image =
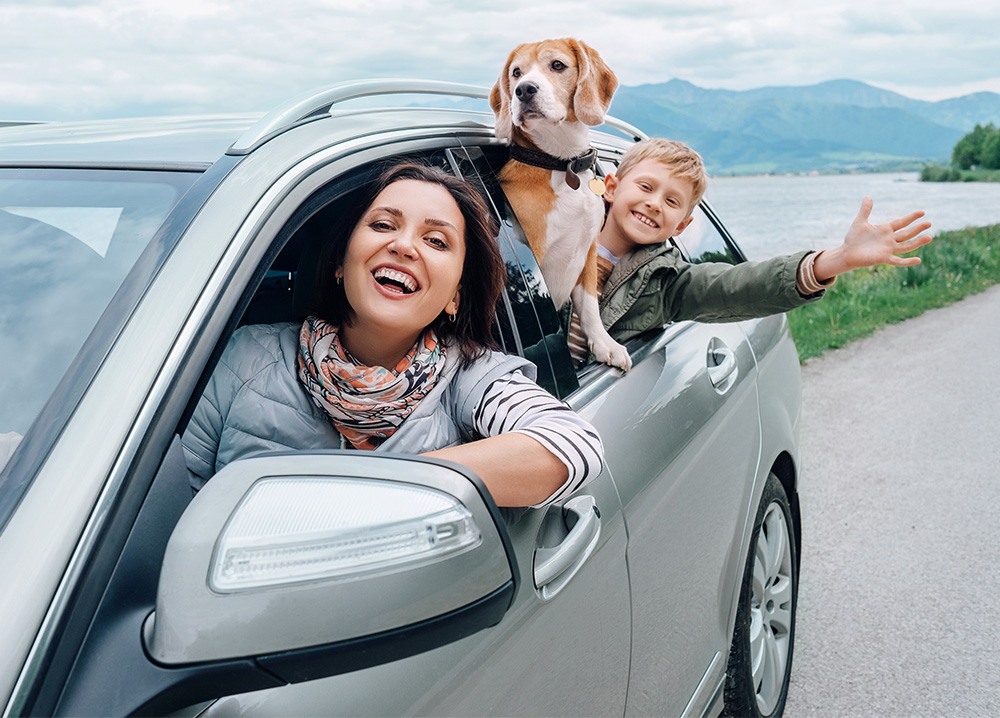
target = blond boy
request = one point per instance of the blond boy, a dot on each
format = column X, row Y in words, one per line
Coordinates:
column 645, row 283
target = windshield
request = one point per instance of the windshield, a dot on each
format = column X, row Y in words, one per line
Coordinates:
column 67, row 240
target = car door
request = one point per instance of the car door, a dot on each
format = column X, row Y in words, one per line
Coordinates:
column 683, row 444
column 563, row 646
column 682, row 441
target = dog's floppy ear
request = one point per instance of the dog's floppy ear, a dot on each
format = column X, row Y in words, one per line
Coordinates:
column 595, row 85
column 500, row 102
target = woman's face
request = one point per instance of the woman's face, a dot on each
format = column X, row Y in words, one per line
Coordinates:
column 404, row 260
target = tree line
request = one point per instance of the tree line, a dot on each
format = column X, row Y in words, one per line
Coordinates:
column 978, row 150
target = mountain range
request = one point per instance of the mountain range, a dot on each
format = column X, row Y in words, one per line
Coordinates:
column 840, row 125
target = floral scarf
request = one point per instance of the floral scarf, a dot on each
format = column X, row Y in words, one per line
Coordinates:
column 365, row 403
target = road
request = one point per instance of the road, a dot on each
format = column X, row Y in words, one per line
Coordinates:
column 899, row 598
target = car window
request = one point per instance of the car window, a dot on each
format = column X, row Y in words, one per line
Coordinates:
column 67, row 238
column 703, row 240
column 287, row 287
column 539, row 327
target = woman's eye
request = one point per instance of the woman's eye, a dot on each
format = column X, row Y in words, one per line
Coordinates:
column 380, row 225
column 558, row 66
column 436, row 241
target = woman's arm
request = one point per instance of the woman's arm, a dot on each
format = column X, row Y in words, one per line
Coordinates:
column 516, row 468
column 537, row 450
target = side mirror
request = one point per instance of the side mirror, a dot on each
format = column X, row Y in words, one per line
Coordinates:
column 310, row 565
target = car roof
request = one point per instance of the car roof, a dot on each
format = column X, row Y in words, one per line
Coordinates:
column 141, row 141
column 196, row 142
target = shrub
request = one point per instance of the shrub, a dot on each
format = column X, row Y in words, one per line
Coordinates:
column 937, row 173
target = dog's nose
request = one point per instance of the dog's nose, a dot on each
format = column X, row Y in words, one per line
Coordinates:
column 525, row 90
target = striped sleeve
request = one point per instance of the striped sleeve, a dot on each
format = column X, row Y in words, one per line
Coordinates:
column 515, row 403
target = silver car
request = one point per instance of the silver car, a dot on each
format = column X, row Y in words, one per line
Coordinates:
column 348, row 583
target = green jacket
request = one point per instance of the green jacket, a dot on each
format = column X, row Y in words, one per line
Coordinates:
column 654, row 285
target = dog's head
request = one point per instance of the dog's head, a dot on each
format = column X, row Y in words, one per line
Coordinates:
column 551, row 82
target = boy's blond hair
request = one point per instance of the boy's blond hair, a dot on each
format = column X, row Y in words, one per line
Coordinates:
column 680, row 159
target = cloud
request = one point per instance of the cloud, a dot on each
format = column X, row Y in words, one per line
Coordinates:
column 76, row 59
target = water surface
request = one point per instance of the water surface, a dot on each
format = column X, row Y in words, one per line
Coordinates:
column 779, row 214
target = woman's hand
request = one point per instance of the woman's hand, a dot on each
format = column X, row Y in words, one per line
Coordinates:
column 867, row 245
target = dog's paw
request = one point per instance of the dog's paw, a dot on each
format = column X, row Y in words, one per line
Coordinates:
column 612, row 353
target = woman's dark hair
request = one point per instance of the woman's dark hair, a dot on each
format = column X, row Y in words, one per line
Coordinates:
column 483, row 273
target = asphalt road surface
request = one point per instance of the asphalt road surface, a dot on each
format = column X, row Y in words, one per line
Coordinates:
column 899, row 594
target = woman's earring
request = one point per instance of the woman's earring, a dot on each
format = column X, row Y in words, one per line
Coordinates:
column 339, row 279
column 453, row 317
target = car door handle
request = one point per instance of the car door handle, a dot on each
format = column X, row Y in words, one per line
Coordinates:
column 555, row 565
column 722, row 366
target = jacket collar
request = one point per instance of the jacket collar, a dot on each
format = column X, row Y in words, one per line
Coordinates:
column 633, row 262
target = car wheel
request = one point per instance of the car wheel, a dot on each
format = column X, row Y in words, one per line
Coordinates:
column 760, row 660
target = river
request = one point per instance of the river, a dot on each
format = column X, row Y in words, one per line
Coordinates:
column 771, row 215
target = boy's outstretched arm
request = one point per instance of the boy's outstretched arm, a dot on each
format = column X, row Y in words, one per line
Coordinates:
column 866, row 244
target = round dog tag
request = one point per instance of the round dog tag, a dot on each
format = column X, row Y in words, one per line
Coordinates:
column 597, row 186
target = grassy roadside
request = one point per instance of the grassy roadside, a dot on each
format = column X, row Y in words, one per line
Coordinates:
column 955, row 265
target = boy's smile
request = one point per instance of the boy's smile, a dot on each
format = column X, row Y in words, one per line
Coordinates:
column 644, row 219
column 649, row 205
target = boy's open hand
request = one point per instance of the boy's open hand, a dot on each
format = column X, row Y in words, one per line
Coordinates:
column 867, row 244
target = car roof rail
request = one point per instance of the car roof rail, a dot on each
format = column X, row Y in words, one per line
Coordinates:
column 18, row 123
column 309, row 105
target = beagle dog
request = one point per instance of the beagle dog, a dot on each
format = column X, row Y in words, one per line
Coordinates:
column 548, row 96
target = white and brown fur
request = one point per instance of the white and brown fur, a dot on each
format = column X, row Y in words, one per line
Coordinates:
column 548, row 95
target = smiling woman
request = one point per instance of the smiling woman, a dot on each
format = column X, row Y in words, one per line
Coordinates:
column 399, row 356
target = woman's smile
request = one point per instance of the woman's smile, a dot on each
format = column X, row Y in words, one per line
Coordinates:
column 395, row 281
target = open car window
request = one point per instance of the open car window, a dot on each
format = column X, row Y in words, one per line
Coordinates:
column 538, row 326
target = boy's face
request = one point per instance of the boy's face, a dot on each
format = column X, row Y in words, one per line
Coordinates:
column 648, row 205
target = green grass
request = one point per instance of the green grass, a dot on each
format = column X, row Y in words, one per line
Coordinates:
column 938, row 173
column 981, row 175
column 955, row 265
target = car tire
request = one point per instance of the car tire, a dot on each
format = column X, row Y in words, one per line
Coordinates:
column 760, row 660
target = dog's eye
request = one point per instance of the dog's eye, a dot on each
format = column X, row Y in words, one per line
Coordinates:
column 558, row 66
column 516, row 72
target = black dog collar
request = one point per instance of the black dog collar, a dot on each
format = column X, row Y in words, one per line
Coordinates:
column 537, row 158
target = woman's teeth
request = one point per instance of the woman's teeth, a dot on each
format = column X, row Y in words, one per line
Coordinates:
column 405, row 282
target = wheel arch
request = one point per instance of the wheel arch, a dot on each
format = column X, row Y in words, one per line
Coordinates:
column 784, row 468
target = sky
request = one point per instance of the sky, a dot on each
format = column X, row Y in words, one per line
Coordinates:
column 85, row 59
